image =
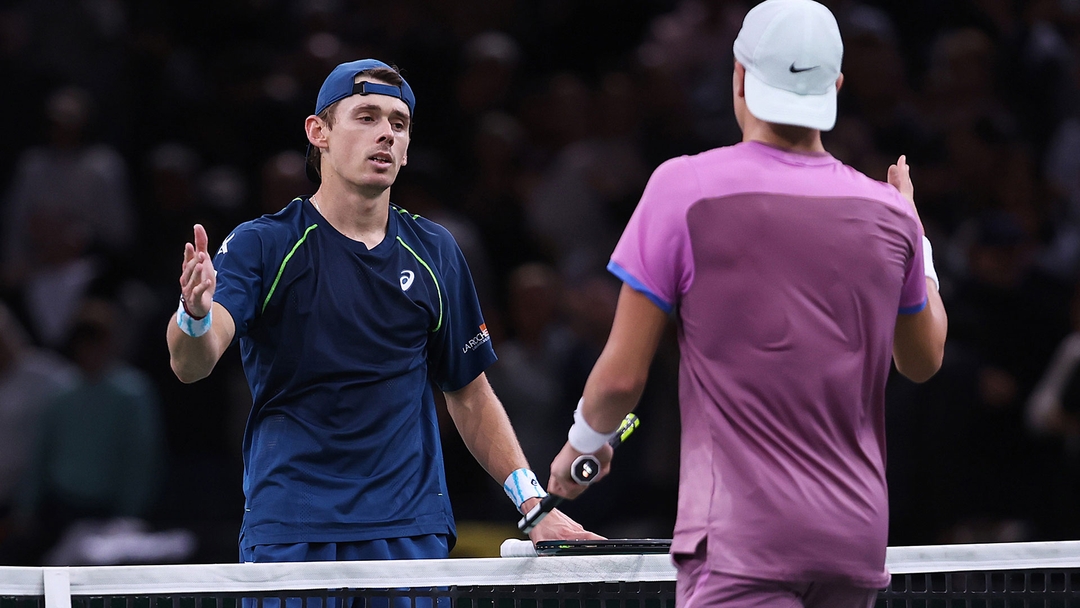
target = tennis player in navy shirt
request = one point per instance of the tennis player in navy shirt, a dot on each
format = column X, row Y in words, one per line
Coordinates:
column 349, row 310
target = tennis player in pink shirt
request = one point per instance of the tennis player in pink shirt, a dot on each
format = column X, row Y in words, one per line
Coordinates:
column 795, row 282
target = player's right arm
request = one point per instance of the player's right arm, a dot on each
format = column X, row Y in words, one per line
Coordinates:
column 919, row 338
column 193, row 358
column 615, row 383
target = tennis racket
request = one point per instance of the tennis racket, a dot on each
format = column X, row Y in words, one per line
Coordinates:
column 583, row 471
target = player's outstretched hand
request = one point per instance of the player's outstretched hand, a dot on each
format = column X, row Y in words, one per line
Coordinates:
column 557, row 526
column 198, row 279
column 562, row 484
column 900, row 178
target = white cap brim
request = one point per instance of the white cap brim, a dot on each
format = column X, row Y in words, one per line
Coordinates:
column 774, row 105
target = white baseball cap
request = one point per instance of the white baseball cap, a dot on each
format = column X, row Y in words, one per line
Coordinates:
column 791, row 50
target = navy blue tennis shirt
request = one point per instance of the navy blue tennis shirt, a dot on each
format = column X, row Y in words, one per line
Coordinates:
column 341, row 346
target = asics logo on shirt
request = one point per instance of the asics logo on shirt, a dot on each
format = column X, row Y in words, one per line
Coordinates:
column 406, row 279
column 225, row 244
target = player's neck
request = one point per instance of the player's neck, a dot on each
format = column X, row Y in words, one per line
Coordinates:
column 793, row 139
column 359, row 217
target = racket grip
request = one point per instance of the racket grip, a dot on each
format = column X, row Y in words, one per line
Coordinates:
column 586, row 466
column 583, row 471
column 539, row 512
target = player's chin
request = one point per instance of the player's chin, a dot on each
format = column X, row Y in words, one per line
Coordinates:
column 378, row 180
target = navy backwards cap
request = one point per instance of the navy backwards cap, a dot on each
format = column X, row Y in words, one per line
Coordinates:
column 341, row 83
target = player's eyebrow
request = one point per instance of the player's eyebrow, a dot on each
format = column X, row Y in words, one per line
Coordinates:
column 371, row 107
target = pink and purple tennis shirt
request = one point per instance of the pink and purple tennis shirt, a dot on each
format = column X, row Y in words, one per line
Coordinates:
column 785, row 273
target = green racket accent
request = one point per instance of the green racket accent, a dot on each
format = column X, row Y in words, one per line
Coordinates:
column 549, row 502
column 627, row 427
column 283, row 263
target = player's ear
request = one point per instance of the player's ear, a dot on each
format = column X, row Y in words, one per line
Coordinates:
column 839, row 82
column 738, row 80
column 316, row 129
column 404, row 160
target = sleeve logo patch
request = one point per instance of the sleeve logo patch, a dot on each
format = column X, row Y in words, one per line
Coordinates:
column 406, row 279
column 477, row 340
column 225, row 244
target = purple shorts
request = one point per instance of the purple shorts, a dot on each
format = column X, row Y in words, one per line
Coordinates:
column 698, row 587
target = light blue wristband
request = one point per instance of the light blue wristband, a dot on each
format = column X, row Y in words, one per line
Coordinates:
column 522, row 485
column 191, row 326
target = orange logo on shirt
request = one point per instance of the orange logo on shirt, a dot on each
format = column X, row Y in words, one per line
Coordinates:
column 477, row 340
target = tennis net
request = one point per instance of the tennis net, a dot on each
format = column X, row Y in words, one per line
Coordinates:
column 1004, row 575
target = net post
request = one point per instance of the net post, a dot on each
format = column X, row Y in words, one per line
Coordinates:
column 57, row 582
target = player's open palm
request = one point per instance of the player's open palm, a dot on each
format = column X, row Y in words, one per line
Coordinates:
column 198, row 278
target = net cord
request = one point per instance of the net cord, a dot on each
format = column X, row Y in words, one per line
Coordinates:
column 56, row 583
column 209, row 578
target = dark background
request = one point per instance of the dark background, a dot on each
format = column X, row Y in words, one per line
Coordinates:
column 537, row 124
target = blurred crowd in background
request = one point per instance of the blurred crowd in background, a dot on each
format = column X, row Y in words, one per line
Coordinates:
column 537, row 125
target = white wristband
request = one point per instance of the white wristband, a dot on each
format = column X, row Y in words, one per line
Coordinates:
column 583, row 437
column 522, row 485
column 928, row 262
column 191, row 326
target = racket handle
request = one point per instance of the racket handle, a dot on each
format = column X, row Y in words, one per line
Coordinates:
column 540, row 511
column 626, row 427
column 583, row 471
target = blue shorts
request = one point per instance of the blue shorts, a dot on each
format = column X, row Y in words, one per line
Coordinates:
column 430, row 546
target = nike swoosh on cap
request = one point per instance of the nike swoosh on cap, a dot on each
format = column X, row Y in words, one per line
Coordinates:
column 795, row 70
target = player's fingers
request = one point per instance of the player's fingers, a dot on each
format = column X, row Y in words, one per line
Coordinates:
column 196, row 272
column 569, row 523
column 900, row 178
column 200, row 302
column 903, row 168
column 199, row 292
column 204, row 271
column 187, row 271
column 200, row 238
column 559, row 526
column 894, row 176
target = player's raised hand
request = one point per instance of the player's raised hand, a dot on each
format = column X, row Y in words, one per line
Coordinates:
column 900, row 178
column 561, row 482
column 198, row 279
column 558, row 526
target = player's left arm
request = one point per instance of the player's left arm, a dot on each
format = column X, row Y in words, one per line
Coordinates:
column 486, row 430
column 615, row 383
column 919, row 338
